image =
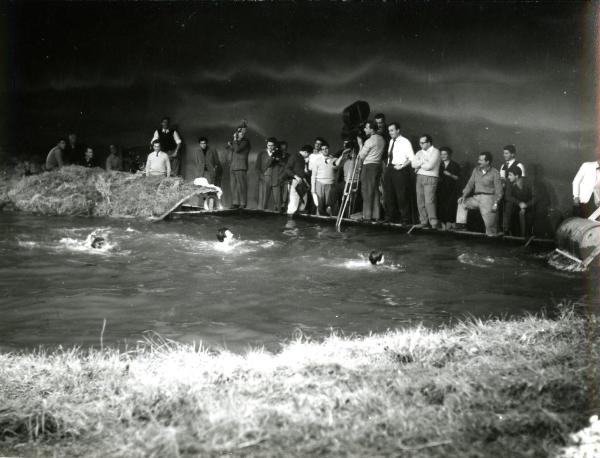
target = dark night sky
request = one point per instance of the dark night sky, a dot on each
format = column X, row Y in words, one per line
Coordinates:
column 474, row 75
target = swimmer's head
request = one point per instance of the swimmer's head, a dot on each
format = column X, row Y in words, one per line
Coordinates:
column 224, row 234
column 98, row 242
column 375, row 257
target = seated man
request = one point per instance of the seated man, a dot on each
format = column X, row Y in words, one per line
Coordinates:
column 114, row 161
column 88, row 158
column 55, row 158
column 519, row 195
column 486, row 187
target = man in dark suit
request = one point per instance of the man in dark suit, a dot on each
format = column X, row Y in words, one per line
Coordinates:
column 239, row 149
column 207, row 163
column 74, row 150
column 264, row 170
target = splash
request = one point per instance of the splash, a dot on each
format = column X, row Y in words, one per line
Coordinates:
column 475, row 259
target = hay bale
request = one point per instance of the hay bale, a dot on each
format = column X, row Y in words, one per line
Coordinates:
column 76, row 190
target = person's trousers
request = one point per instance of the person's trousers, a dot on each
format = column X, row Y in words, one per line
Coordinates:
column 296, row 202
column 324, row 196
column 239, row 187
column 175, row 166
column 525, row 218
column 370, row 176
column 583, row 210
column 264, row 191
column 426, row 199
column 485, row 204
column 396, row 193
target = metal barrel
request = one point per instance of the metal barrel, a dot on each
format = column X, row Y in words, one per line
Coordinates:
column 578, row 236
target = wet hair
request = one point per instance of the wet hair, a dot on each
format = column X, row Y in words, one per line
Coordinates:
column 202, row 139
column 272, row 140
column 447, row 149
column 515, row 170
column 307, row 148
column 488, row 156
column 98, row 242
column 221, row 233
column 396, row 124
column 511, row 148
column 426, row 137
column 375, row 256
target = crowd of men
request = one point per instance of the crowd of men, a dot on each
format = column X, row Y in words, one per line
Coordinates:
column 377, row 175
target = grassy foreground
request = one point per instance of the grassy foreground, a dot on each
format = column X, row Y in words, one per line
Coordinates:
column 493, row 388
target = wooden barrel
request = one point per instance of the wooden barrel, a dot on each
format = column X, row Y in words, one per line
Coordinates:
column 578, row 236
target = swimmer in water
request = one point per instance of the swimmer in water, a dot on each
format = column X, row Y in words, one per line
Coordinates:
column 224, row 235
column 376, row 257
column 98, row 243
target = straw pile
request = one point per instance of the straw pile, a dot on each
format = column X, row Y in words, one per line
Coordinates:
column 76, row 190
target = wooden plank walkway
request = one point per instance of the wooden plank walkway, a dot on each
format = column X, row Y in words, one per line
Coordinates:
column 190, row 211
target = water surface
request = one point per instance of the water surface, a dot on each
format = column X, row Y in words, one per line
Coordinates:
column 174, row 278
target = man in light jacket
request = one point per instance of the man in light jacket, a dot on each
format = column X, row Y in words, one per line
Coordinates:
column 427, row 166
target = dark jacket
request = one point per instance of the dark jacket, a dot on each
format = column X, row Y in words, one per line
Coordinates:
column 239, row 151
column 516, row 195
column 264, row 164
column 295, row 165
column 208, row 164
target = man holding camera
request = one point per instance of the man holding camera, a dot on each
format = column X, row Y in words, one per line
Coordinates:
column 239, row 149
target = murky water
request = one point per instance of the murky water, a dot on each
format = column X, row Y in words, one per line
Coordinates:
column 174, row 278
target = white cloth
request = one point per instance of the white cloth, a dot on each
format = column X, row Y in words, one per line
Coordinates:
column 403, row 151
column 587, row 182
column 201, row 181
column 158, row 164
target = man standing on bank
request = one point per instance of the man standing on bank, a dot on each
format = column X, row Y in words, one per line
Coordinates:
column 158, row 163
column 170, row 143
column 586, row 189
column 239, row 149
column 371, row 152
column 396, row 177
column 207, row 162
column 427, row 166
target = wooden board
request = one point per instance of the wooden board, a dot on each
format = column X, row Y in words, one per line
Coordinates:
column 174, row 207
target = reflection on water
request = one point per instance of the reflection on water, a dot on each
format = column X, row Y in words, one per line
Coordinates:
column 277, row 277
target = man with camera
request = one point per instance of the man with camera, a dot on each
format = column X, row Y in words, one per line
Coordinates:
column 239, row 149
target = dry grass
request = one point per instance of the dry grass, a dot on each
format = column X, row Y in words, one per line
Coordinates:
column 493, row 388
column 75, row 190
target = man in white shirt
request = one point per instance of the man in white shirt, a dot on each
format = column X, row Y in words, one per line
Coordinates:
column 396, row 176
column 170, row 142
column 158, row 163
column 586, row 189
column 427, row 165
column 311, row 206
column 510, row 153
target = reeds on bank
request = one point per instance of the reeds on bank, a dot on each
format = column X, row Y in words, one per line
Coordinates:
column 478, row 388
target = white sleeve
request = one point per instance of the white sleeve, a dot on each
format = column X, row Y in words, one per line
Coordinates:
column 176, row 137
column 522, row 167
column 154, row 137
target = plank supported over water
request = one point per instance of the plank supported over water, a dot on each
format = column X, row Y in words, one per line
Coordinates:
column 178, row 204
